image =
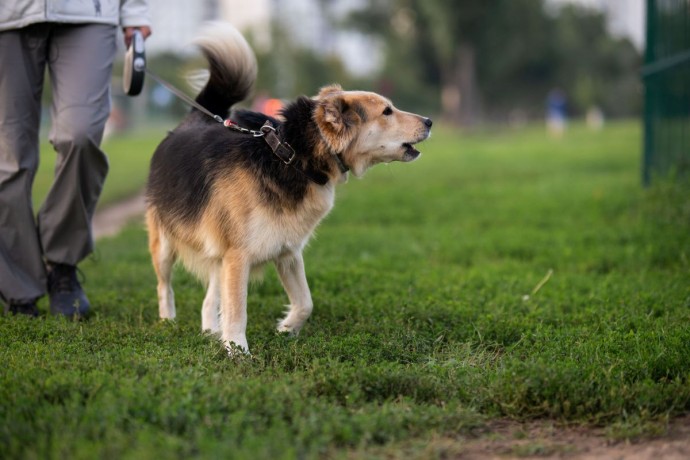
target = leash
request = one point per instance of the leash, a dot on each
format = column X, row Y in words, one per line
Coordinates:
column 183, row 96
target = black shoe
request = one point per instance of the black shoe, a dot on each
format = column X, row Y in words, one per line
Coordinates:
column 28, row 308
column 67, row 297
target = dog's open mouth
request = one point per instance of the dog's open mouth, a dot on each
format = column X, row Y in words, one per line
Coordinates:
column 411, row 153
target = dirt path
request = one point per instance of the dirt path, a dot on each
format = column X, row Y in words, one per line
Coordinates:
column 545, row 440
column 110, row 220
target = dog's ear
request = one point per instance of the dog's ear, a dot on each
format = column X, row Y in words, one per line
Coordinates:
column 330, row 89
column 336, row 118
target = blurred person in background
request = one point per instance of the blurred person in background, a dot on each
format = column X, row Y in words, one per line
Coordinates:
column 76, row 41
column 556, row 115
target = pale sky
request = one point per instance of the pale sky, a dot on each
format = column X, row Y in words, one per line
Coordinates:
column 626, row 17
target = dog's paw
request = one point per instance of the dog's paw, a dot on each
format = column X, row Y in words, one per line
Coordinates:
column 171, row 322
column 287, row 335
column 211, row 333
column 237, row 348
column 284, row 327
column 235, row 352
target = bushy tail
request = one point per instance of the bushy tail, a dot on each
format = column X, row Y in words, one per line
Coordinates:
column 232, row 67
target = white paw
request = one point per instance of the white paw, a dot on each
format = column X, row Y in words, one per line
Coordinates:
column 286, row 326
column 211, row 332
column 237, row 347
column 210, row 326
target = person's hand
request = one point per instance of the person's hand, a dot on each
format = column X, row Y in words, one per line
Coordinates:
column 129, row 33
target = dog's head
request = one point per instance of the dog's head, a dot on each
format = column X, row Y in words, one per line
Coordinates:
column 366, row 129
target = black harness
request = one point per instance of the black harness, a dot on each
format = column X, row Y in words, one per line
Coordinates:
column 284, row 150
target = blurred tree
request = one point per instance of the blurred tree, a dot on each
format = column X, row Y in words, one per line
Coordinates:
column 442, row 36
column 288, row 69
column 490, row 57
column 516, row 57
column 596, row 68
column 455, row 35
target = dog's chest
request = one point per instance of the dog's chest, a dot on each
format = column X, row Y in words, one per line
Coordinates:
column 271, row 233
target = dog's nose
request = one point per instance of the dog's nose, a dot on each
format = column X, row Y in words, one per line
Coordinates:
column 428, row 122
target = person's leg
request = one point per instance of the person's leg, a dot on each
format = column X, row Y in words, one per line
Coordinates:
column 80, row 64
column 22, row 59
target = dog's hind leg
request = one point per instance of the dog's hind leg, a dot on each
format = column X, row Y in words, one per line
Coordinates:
column 210, row 309
column 163, row 257
column 233, row 280
column 291, row 271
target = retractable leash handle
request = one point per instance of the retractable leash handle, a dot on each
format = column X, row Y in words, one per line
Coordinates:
column 135, row 65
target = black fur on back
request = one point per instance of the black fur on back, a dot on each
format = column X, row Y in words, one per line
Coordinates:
column 188, row 161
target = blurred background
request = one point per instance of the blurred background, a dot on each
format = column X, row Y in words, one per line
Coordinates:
column 472, row 65
column 469, row 63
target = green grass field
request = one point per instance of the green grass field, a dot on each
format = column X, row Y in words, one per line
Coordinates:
column 503, row 275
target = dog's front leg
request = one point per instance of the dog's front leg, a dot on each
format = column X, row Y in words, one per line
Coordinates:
column 234, row 278
column 291, row 271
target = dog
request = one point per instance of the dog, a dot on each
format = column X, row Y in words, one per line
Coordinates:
column 228, row 198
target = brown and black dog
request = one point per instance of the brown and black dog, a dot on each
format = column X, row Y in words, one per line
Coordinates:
column 222, row 202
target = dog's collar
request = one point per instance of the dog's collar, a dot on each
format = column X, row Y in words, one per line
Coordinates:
column 341, row 164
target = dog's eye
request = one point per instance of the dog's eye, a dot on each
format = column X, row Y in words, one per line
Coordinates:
column 387, row 111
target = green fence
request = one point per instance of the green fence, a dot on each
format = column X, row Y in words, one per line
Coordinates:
column 666, row 77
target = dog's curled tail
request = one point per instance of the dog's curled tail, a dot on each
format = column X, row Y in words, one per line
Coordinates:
column 232, row 67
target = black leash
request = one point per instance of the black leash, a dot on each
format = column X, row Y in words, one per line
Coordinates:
column 184, row 97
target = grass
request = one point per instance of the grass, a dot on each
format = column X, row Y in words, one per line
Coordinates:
column 428, row 321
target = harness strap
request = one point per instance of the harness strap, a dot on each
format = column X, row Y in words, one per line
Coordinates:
column 280, row 149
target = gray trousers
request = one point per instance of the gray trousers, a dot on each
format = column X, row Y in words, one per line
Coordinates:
column 79, row 60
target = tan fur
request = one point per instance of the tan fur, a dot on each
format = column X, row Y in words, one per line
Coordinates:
column 369, row 141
